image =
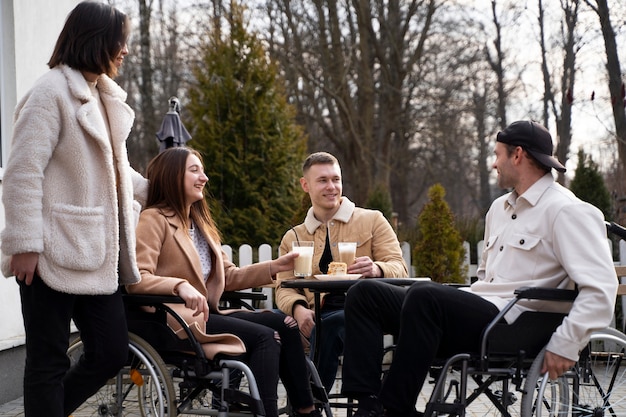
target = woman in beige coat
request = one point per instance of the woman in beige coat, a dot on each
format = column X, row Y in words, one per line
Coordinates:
column 179, row 253
column 68, row 192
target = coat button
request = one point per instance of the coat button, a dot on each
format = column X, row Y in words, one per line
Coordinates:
column 514, row 216
column 521, row 241
column 501, row 248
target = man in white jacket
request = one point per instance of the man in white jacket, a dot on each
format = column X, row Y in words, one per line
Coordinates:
column 538, row 235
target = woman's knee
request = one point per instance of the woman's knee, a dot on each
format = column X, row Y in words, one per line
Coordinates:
column 286, row 327
column 290, row 331
column 269, row 339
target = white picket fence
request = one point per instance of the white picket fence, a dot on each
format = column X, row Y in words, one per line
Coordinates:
column 266, row 253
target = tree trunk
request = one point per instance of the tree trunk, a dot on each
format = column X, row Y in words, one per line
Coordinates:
column 563, row 113
column 616, row 88
column 564, row 123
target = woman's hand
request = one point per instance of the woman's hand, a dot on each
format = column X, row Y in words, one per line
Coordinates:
column 283, row 263
column 23, row 266
column 193, row 299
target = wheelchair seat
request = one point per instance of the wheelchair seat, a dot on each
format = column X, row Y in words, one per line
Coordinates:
column 526, row 336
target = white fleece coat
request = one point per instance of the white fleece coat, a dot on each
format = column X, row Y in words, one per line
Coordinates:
column 62, row 196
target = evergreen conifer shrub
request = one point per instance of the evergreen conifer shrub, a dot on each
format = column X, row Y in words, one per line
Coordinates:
column 439, row 251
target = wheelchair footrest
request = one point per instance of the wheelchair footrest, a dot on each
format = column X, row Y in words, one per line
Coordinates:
column 434, row 409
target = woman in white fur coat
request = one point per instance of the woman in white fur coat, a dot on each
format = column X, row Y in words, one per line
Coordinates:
column 68, row 194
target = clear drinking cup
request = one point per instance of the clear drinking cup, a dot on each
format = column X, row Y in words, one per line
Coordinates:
column 347, row 252
column 303, row 264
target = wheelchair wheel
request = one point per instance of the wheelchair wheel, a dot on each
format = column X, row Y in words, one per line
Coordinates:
column 542, row 397
column 142, row 387
column 599, row 381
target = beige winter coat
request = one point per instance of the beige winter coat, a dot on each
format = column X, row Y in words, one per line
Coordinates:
column 167, row 257
column 62, row 195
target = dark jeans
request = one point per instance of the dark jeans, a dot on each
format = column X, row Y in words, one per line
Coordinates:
column 333, row 335
column 429, row 320
column 51, row 388
column 267, row 357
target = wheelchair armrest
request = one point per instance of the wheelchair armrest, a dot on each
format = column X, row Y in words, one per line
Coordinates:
column 243, row 295
column 152, row 300
column 235, row 299
column 159, row 302
column 551, row 294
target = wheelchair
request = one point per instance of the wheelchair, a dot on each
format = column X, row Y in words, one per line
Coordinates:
column 507, row 370
column 166, row 376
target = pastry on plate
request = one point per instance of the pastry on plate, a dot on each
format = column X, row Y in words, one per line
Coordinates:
column 337, row 268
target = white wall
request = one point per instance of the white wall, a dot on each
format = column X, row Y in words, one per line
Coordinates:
column 29, row 29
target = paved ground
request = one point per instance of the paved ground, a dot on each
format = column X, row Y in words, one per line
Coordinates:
column 481, row 408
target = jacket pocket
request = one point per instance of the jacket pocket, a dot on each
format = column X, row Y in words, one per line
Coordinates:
column 363, row 244
column 362, row 239
column 75, row 238
column 519, row 254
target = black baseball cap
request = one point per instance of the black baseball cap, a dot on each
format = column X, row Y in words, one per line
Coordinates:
column 534, row 138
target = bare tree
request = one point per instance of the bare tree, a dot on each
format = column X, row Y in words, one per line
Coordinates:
column 497, row 65
column 563, row 111
column 351, row 69
column 616, row 87
column 154, row 71
column 405, row 92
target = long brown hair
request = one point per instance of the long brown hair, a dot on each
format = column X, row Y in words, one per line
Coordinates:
column 166, row 190
column 93, row 36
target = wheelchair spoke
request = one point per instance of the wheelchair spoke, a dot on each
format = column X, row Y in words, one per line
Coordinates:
column 542, row 397
column 142, row 388
column 601, row 373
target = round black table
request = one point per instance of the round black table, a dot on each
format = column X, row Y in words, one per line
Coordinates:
column 319, row 286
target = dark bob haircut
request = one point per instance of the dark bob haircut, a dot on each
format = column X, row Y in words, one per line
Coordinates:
column 93, row 36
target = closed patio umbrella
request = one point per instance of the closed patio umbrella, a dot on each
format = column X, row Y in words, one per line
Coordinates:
column 172, row 132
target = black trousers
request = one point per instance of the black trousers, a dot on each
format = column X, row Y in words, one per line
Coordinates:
column 429, row 320
column 51, row 388
column 268, row 356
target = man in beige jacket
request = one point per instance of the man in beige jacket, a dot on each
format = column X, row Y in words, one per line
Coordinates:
column 334, row 218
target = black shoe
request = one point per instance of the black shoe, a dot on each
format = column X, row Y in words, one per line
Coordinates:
column 412, row 413
column 369, row 407
column 314, row 413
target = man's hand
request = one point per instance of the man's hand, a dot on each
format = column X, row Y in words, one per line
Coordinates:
column 23, row 266
column 365, row 266
column 305, row 318
column 555, row 365
column 193, row 299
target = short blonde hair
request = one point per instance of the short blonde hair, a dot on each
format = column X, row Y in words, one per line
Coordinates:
column 318, row 158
